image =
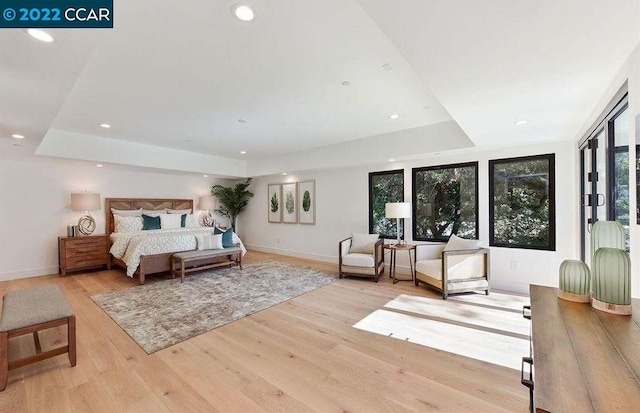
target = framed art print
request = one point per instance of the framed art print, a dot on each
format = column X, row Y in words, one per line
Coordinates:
column 290, row 203
column 274, row 203
column 307, row 202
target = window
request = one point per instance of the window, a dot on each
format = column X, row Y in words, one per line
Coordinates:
column 522, row 202
column 445, row 202
column 386, row 186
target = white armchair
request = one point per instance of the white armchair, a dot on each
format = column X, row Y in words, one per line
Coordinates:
column 363, row 261
column 452, row 271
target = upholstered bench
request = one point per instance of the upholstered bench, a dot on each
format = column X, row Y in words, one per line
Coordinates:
column 190, row 261
column 30, row 310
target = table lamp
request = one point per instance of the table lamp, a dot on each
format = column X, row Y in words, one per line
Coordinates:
column 207, row 203
column 397, row 210
column 86, row 202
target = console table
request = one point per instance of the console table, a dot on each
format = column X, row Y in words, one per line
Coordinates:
column 584, row 360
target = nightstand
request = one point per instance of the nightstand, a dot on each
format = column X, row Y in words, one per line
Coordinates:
column 82, row 252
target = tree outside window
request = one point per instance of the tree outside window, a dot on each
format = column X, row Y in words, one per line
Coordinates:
column 445, row 202
column 522, row 202
column 385, row 186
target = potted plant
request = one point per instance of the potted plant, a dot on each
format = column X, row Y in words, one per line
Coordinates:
column 232, row 200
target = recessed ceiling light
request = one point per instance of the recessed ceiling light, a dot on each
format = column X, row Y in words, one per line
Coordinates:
column 242, row 120
column 243, row 152
column 284, row 173
column 105, row 125
column 521, row 122
column 345, row 83
column 15, row 135
column 40, row 35
column 388, row 67
column 391, row 160
column 99, row 165
column 394, row 116
column 205, row 176
column 18, row 144
column 242, row 12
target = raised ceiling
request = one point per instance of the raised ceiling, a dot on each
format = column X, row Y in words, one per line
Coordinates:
column 189, row 81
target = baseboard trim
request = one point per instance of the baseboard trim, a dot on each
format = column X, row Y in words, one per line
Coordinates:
column 36, row 272
column 292, row 253
column 401, row 269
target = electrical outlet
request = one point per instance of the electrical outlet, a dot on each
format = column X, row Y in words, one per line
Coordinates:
column 514, row 265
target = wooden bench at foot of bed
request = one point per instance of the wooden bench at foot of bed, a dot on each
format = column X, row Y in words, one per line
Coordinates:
column 149, row 264
column 191, row 261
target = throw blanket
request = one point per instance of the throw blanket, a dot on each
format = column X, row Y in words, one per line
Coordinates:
column 130, row 246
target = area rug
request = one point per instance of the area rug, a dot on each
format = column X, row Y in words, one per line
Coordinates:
column 164, row 313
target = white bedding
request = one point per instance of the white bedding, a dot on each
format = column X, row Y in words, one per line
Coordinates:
column 130, row 246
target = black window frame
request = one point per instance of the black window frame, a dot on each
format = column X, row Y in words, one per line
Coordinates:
column 612, row 151
column 371, row 176
column 551, row 159
column 414, row 203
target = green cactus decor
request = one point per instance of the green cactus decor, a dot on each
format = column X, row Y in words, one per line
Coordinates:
column 274, row 203
column 611, row 281
column 575, row 281
column 289, row 204
column 306, row 201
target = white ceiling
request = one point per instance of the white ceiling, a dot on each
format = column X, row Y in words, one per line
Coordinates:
column 181, row 78
column 493, row 62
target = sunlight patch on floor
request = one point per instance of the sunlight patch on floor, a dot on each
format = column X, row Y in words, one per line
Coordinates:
column 498, row 300
column 490, row 329
column 486, row 317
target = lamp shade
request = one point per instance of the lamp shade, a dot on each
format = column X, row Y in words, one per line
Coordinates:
column 207, row 202
column 397, row 210
column 85, row 202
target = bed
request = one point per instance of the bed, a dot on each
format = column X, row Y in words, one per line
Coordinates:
column 149, row 252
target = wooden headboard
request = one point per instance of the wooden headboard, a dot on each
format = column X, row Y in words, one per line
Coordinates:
column 137, row 203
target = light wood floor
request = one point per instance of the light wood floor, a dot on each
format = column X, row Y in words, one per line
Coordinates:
column 301, row 355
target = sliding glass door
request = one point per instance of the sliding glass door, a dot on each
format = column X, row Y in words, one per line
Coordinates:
column 604, row 184
column 619, row 158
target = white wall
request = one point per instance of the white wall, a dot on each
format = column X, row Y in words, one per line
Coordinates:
column 342, row 208
column 34, row 205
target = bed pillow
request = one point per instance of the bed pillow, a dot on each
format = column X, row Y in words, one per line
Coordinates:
column 227, row 237
column 127, row 224
column 363, row 243
column 153, row 212
column 127, row 212
column 179, row 211
column 169, row 221
column 209, row 242
column 149, row 222
column 456, row 243
column 188, row 221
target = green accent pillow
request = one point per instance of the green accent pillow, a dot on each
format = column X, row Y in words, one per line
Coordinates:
column 150, row 222
column 227, row 237
column 183, row 220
